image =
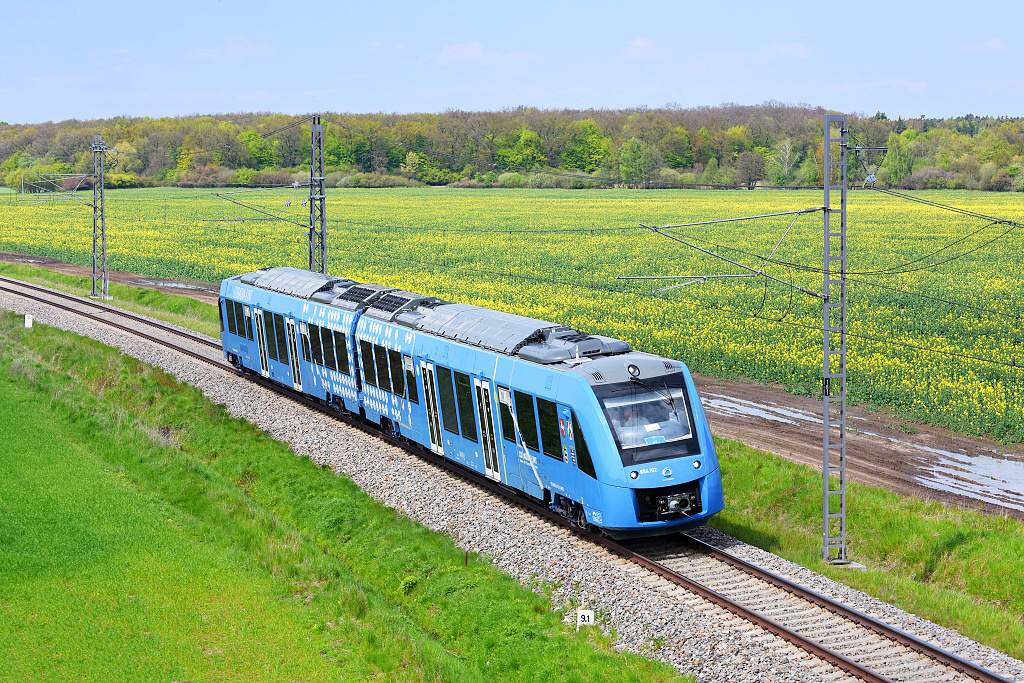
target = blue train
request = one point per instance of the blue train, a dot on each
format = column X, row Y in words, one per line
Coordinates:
column 607, row 436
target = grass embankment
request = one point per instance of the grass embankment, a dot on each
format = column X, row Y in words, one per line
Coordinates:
column 959, row 568
column 147, row 535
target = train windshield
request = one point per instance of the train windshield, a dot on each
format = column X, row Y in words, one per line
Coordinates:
column 651, row 419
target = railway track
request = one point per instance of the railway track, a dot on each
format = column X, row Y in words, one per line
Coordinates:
column 852, row 642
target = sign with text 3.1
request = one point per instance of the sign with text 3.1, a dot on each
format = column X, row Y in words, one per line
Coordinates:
column 584, row 617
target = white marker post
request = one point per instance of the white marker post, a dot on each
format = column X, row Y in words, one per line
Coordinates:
column 28, row 320
column 584, row 617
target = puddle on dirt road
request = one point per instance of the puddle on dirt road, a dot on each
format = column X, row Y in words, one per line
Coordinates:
column 990, row 478
column 157, row 283
column 982, row 477
column 728, row 406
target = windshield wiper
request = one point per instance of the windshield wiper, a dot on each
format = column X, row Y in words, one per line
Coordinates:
column 668, row 392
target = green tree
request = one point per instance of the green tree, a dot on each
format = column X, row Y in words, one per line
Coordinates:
column 412, row 163
column 522, row 149
column 586, row 147
column 638, row 161
column 337, row 153
column 262, row 154
column 898, row 160
column 676, row 149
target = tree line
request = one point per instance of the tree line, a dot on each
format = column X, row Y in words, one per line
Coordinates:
column 729, row 145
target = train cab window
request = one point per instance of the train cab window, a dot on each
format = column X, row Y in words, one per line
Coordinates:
column 527, row 420
column 410, row 379
column 341, row 347
column 239, row 319
column 327, row 344
column 464, row 393
column 549, row 436
column 231, row 326
column 583, row 459
column 508, row 425
column 314, row 345
column 366, row 351
column 248, row 323
column 397, row 376
column 271, row 336
column 446, row 392
column 282, row 338
column 380, row 355
column 220, row 314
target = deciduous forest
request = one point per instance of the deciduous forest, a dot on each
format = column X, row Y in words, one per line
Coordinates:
column 728, row 145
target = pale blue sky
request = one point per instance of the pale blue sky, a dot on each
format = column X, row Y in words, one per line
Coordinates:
column 83, row 60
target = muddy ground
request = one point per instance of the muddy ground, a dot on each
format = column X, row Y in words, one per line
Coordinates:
column 882, row 449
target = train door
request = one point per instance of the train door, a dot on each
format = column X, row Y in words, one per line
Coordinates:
column 261, row 341
column 487, row 438
column 248, row 333
column 294, row 349
column 433, row 417
column 512, row 438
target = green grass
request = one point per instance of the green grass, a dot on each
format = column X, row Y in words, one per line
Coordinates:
column 959, row 568
column 180, row 310
column 147, row 535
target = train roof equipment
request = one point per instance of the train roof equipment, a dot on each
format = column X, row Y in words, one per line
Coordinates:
column 509, row 334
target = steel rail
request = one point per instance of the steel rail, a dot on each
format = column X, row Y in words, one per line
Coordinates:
column 104, row 307
column 818, row 650
column 881, row 628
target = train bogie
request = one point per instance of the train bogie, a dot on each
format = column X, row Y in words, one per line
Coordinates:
column 608, row 436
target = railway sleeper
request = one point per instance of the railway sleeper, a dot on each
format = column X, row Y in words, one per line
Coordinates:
column 761, row 598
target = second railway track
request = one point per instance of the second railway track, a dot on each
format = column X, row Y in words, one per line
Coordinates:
column 852, row 642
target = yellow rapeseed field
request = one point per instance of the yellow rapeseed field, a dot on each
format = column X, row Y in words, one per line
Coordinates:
column 555, row 254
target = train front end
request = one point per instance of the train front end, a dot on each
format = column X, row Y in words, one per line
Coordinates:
column 659, row 469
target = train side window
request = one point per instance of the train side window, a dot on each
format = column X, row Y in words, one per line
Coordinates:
column 282, row 338
column 271, row 336
column 527, row 420
column 446, row 393
column 239, row 319
column 341, row 346
column 304, row 333
column 508, row 425
column 314, row 344
column 397, row 376
column 583, row 459
column 366, row 351
column 410, row 379
column 248, row 323
column 220, row 314
column 327, row 342
column 380, row 355
column 230, row 306
column 549, row 437
column 464, row 392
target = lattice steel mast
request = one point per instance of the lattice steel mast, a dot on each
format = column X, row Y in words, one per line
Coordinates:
column 99, row 218
column 317, row 219
column 834, row 344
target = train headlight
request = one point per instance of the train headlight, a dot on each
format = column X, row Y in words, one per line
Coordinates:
column 696, row 464
column 634, row 474
column 634, row 371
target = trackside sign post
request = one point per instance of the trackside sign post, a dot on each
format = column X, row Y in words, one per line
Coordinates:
column 584, row 617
